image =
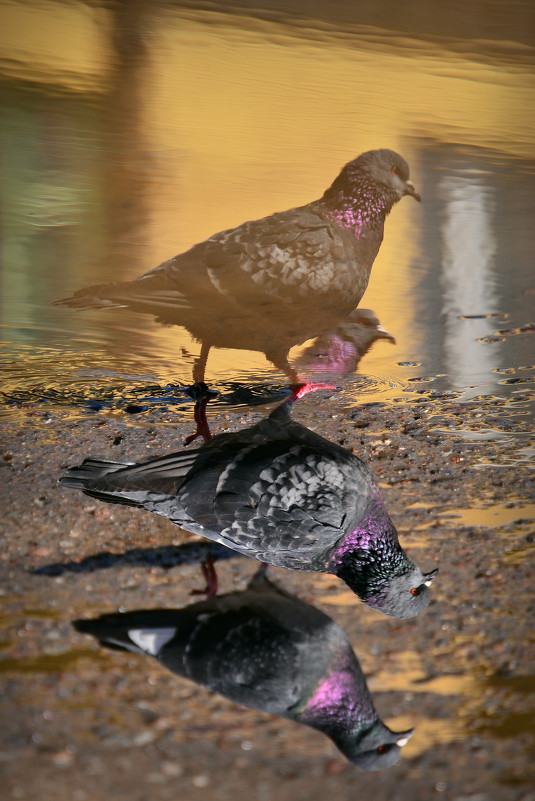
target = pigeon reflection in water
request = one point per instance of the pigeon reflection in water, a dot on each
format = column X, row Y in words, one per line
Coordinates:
column 338, row 352
column 272, row 283
column 266, row 649
column 279, row 493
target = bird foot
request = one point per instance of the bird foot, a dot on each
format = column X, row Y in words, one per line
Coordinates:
column 200, row 391
column 202, row 396
column 300, row 390
column 210, row 576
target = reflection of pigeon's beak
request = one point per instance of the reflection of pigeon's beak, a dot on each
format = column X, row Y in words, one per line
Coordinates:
column 382, row 332
column 430, row 576
column 404, row 737
column 410, row 190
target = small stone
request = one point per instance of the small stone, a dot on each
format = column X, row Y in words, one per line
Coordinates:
column 171, row 769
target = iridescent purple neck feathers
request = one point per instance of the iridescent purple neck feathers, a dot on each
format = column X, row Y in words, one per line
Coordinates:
column 374, row 540
column 358, row 204
column 374, row 565
column 340, row 703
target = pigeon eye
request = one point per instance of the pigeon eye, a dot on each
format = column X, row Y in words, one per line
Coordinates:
column 415, row 591
column 381, row 749
column 394, row 170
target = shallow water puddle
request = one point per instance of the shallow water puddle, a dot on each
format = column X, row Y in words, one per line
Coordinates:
column 405, row 673
column 489, row 516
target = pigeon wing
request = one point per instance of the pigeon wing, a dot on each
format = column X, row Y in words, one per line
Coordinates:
column 282, row 259
column 283, row 505
column 245, row 657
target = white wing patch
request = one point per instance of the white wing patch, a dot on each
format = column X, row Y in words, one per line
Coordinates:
column 151, row 640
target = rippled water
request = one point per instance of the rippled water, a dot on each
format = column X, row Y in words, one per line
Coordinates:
column 110, row 171
column 132, row 132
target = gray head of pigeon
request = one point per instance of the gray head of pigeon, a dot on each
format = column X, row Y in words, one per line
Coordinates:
column 373, row 564
column 404, row 596
column 376, row 748
column 375, row 180
column 388, row 168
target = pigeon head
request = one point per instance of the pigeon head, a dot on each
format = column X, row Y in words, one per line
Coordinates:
column 388, row 168
column 371, row 183
column 375, row 749
column 403, row 596
column 374, row 565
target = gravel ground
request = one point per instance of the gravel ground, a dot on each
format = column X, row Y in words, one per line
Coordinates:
column 85, row 724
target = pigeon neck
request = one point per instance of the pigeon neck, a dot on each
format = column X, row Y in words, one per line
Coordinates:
column 340, row 703
column 370, row 555
column 359, row 206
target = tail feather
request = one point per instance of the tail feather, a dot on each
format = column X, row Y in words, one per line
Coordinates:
column 90, row 298
column 109, row 497
column 146, row 294
column 90, row 470
column 143, row 632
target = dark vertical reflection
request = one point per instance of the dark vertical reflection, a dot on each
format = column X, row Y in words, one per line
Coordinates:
column 126, row 157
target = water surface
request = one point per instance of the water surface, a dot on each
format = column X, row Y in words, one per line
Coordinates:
column 132, row 132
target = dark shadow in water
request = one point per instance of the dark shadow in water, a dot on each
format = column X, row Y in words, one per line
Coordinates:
column 268, row 650
column 166, row 556
column 336, row 353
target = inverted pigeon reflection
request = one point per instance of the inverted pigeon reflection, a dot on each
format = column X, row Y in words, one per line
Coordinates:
column 272, row 283
column 281, row 494
column 266, row 649
column 338, row 352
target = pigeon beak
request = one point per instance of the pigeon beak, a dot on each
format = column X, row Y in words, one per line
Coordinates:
column 385, row 334
column 410, row 190
column 430, row 576
column 404, row 737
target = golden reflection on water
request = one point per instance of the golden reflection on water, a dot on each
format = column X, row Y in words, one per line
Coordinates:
column 488, row 516
column 229, row 118
column 405, row 673
column 63, row 43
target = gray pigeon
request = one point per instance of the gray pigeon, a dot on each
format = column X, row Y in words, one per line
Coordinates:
column 272, row 283
column 281, row 494
column 264, row 648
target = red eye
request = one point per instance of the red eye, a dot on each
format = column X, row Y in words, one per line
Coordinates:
column 415, row 591
column 381, row 749
column 394, row 170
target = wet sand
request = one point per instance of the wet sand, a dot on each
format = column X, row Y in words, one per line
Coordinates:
column 85, row 724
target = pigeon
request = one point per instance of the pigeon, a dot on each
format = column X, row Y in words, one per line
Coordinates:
column 272, row 283
column 282, row 494
column 268, row 650
column 339, row 351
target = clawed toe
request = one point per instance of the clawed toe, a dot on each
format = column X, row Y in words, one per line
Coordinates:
column 202, row 395
column 210, row 575
column 300, row 390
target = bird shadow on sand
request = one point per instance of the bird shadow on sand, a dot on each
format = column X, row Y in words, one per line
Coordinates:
column 166, row 556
